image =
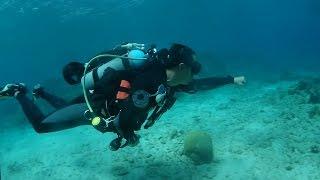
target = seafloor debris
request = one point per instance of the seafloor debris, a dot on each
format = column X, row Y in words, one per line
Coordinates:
column 315, row 149
column 119, row 170
column 314, row 112
column 310, row 88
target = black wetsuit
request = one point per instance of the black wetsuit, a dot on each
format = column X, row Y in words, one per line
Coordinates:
column 205, row 84
column 71, row 114
column 67, row 114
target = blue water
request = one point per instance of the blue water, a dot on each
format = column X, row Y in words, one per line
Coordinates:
column 261, row 39
column 36, row 35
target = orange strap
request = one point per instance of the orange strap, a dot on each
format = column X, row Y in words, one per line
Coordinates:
column 125, row 84
column 121, row 95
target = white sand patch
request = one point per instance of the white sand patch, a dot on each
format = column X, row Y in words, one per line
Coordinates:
column 258, row 133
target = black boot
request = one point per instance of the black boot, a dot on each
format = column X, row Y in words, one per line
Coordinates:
column 37, row 91
column 115, row 144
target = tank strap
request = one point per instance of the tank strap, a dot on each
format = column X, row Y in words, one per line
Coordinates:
column 95, row 75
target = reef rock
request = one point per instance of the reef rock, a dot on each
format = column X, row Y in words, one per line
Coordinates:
column 198, row 147
column 308, row 87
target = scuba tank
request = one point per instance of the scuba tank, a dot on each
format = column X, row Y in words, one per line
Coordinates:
column 133, row 60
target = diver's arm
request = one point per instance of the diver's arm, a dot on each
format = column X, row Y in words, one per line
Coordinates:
column 210, row 83
column 131, row 46
column 123, row 48
column 118, row 50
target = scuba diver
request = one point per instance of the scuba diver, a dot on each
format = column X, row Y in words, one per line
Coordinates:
column 121, row 87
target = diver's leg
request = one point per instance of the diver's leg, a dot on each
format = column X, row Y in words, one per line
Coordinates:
column 53, row 100
column 130, row 118
column 19, row 91
column 68, row 117
column 65, row 118
column 31, row 110
column 78, row 100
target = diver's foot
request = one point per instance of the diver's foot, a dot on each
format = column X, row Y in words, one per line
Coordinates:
column 133, row 140
column 37, row 91
column 12, row 90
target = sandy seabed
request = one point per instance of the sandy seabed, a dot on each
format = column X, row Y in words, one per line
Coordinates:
column 259, row 131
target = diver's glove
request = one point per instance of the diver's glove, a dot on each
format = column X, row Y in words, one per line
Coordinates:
column 240, row 80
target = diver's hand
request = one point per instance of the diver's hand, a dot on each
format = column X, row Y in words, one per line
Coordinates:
column 131, row 46
column 240, row 80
